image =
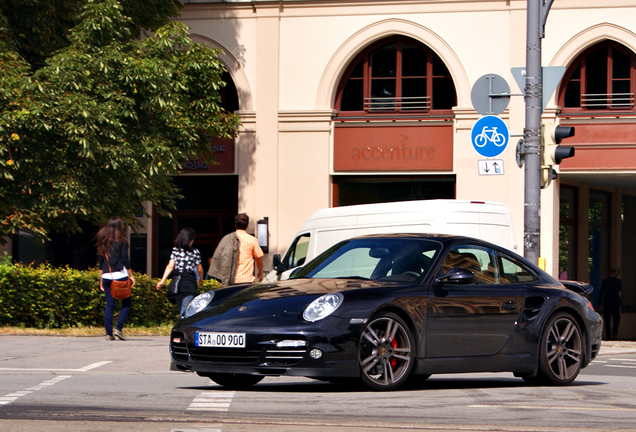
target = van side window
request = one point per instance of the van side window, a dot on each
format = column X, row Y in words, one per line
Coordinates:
column 297, row 252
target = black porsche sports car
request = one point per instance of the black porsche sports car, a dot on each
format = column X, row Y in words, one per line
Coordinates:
column 385, row 309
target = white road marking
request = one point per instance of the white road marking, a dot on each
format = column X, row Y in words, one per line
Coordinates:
column 209, row 428
column 212, row 401
column 563, row 408
column 626, row 363
column 84, row 369
column 94, row 366
column 7, row 399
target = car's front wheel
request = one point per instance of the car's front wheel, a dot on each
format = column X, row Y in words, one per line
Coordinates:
column 235, row 381
column 561, row 350
column 386, row 352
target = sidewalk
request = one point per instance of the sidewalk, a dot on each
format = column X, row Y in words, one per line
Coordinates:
column 617, row 347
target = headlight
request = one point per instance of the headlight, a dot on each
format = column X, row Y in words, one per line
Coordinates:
column 322, row 307
column 199, row 303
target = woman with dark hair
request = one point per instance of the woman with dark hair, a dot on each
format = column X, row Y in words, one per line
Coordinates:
column 114, row 264
column 185, row 263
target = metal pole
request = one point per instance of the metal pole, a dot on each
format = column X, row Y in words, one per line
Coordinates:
column 532, row 133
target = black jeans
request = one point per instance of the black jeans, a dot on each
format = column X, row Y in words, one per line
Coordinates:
column 611, row 313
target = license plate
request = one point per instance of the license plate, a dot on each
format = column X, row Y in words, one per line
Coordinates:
column 218, row 339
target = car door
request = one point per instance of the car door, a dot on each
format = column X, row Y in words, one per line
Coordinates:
column 474, row 319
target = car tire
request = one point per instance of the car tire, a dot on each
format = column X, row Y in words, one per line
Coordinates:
column 561, row 351
column 385, row 352
column 235, row 381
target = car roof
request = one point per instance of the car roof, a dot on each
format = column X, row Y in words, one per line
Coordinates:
column 444, row 238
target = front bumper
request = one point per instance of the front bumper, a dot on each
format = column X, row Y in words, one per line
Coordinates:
column 336, row 341
column 596, row 333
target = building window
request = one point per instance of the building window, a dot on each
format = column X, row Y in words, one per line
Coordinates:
column 628, row 252
column 229, row 94
column 599, row 216
column 603, row 78
column 568, row 234
column 398, row 76
column 353, row 190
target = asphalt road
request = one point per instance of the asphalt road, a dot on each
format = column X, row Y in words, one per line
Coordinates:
column 88, row 384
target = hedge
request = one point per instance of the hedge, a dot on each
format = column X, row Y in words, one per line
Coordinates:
column 47, row 297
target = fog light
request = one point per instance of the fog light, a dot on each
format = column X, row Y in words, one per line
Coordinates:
column 315, row 354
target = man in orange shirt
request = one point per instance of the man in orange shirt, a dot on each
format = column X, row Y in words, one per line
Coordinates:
column 233, row 260
column 249, row 252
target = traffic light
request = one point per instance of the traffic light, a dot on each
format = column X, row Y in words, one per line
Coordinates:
column 551, row 152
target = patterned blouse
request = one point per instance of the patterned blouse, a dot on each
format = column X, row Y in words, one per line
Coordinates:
column 185, row 261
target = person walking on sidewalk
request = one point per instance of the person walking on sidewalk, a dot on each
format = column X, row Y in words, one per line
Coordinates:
column 114, row 264
column 185, row 263
column 234, row 258
column 610, row 299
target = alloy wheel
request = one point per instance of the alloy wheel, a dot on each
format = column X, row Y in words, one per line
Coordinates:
column 562, row 354
column 385, row 353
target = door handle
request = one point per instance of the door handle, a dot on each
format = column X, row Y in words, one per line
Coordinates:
column 510, row 305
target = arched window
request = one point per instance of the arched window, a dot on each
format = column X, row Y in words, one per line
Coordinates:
column 397, row 76
column 229, row 95
column 603, row 78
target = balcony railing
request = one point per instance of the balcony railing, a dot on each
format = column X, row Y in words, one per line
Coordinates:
column 419, row 103
column 607, row 101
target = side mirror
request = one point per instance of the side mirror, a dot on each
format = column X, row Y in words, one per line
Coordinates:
column 457, row 275
column 278, row 264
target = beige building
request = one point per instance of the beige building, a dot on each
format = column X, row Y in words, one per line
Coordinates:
column 356, row 101
column 349, row 101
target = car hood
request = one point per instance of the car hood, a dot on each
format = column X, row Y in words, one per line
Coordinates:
column 283, row 299
column 306, row 286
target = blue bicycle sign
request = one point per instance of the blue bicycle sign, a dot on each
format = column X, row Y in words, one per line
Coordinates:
column 489, row 136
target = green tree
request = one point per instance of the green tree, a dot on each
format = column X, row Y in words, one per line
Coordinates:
column 100, row 129
column 37, row 28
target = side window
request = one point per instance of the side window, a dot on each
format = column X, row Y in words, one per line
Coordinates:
column 479, row 260
column 297, row 253
column 512, row 271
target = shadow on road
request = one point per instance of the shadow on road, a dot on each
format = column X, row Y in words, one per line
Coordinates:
column 433, row 383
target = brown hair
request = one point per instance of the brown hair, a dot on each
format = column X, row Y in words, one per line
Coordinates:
column 110, row 234
column 241, row 221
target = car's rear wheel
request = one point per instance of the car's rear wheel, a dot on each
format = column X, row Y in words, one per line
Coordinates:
column 235, row 381
column 561, row 351
column 385, row 353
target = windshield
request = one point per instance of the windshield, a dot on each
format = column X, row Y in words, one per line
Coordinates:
column 396, row 259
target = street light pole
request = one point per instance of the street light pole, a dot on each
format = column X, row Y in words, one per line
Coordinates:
column 537, row 12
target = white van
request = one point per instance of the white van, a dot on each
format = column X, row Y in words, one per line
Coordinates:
column 489, row 221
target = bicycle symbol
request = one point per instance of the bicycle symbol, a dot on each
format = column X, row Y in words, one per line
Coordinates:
column 489, row 135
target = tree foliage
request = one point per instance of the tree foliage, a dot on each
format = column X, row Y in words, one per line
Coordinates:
column 37, row 28
column 101, row 127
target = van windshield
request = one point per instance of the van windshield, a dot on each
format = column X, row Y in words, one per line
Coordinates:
column 389, row 259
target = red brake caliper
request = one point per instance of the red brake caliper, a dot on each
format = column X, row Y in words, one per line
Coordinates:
column 393, row 359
